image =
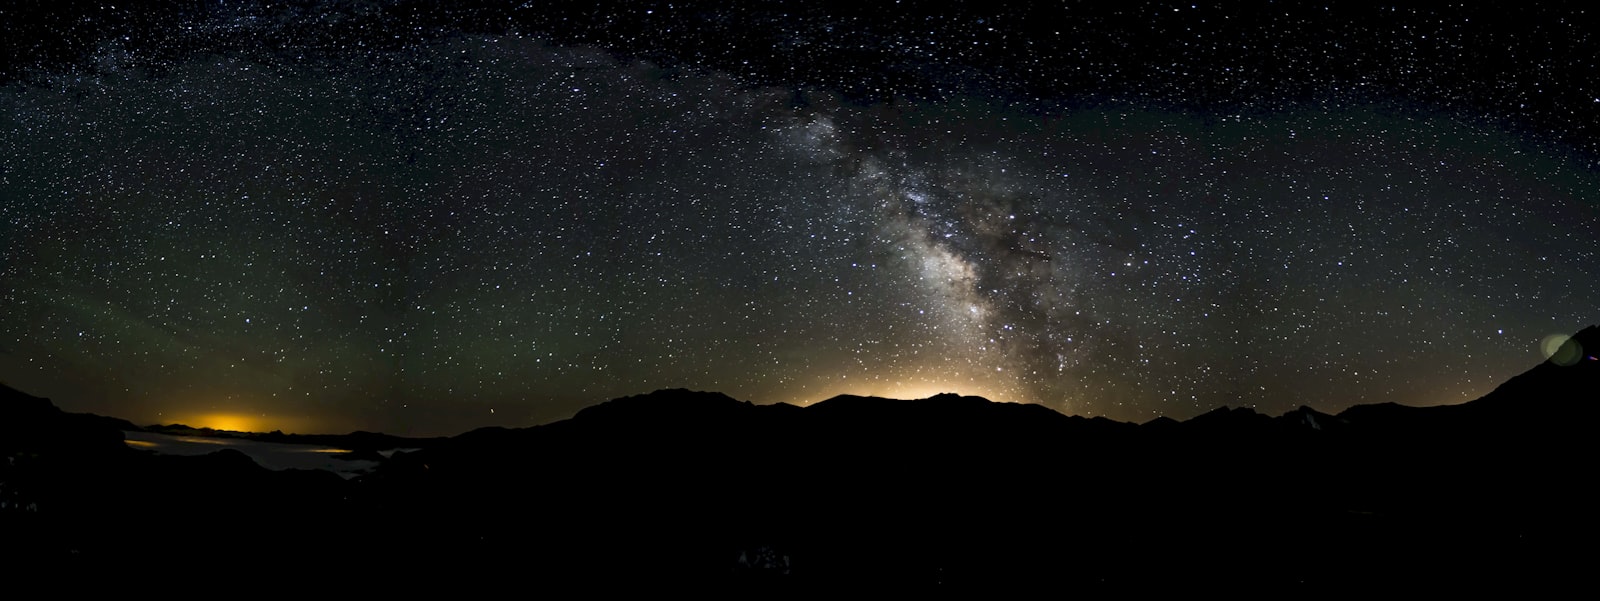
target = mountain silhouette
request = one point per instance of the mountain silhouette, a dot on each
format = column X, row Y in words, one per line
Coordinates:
column 680, row 488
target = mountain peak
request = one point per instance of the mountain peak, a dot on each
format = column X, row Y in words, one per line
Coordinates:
column 941, row 398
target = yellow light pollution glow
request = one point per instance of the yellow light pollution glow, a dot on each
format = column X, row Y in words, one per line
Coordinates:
column 241, row 422
column 236, row 422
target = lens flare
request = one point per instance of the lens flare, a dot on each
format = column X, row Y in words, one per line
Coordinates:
column 1561, row 349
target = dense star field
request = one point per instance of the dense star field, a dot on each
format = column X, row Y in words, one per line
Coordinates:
column 330, row 216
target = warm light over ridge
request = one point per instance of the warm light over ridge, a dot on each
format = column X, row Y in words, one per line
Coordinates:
column 236, row 422
column 243, row 422
column 915, row 390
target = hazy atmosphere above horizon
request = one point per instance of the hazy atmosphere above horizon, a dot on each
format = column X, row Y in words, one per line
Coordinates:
column 340, row 215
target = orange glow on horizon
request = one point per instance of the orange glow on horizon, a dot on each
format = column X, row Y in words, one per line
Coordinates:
column 235, row 422
column 239, row 422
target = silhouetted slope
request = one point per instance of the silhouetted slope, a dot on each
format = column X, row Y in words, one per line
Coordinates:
column 78, row 506
column 1550, row 394
column 1497, row 476
column 952, row 489
column 32, row 424
column 678, row 488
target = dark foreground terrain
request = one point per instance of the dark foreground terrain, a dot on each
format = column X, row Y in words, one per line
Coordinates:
column 678, row 489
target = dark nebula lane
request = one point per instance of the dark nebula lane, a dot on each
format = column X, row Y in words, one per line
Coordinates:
column 335, row 223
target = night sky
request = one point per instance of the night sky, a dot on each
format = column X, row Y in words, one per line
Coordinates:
column 328, row 216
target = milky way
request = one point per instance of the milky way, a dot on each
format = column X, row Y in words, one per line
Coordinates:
column 497, row 228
